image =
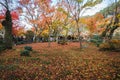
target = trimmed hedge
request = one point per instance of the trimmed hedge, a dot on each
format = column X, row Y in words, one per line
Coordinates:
column 25, row 53
column 29, row 48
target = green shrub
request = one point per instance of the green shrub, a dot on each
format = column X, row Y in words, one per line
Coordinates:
column 29, row 48
column 1, row 42
column 25, row 53
column 2, row 47
column 97, row 40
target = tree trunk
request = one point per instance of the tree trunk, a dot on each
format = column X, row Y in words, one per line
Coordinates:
column 105, row 32
column 66, row 36
column 116, row 21
column 35, row 38
column 108, row 27
column 7, row 23
column 49, row 37
column 79, row 38
column 112, row 31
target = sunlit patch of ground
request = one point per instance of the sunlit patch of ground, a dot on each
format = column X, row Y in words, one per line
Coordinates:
column 60, row 62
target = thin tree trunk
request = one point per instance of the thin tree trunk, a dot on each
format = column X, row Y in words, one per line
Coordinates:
column 66, row 36
column 79, row 38
column 49, row 37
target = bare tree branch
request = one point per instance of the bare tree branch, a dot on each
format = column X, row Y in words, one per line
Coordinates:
column 3, row 5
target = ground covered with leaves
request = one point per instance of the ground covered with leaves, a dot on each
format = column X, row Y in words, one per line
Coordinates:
column 59, row 62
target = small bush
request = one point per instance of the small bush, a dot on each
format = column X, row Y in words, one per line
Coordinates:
column 20, row 42
column 25, row 53
column 2, row 47
column 104, row 46
column 29, row 48
column 111, row 45
column 97, row 40
column 1, row 42
column 115, row 43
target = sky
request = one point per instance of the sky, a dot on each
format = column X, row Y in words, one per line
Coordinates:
column 89, row 12
column 95, row 9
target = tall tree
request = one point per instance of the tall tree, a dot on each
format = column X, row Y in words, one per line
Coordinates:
column 77, row 8
column 9, row 18
column 48, row 16
column 31, row 13
column 34, row 14
column 65, row 18
column 7, row 23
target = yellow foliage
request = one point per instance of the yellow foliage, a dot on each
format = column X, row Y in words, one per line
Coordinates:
column 104, row 45
column 118, row 15
column 110, row 45
column 45, row 33
column 118, row 24
column 115, row 41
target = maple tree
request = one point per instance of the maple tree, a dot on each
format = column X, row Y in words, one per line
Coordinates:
column 93, row 23
column 15, row 22
column 65, row 18
column 76, row 9
column 50, row 60
column 48, row 16
column 17, row 29
column 31, row 17
column 35, row 10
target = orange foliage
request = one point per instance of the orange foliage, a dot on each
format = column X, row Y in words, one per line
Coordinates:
column 24, row 1
column 93, row 22
column 17, row 30
column 1, row 26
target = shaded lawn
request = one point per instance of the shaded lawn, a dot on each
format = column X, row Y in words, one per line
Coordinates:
column 59, row 62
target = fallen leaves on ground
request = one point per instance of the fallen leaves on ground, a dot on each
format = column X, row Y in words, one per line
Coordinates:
column 59, row 62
